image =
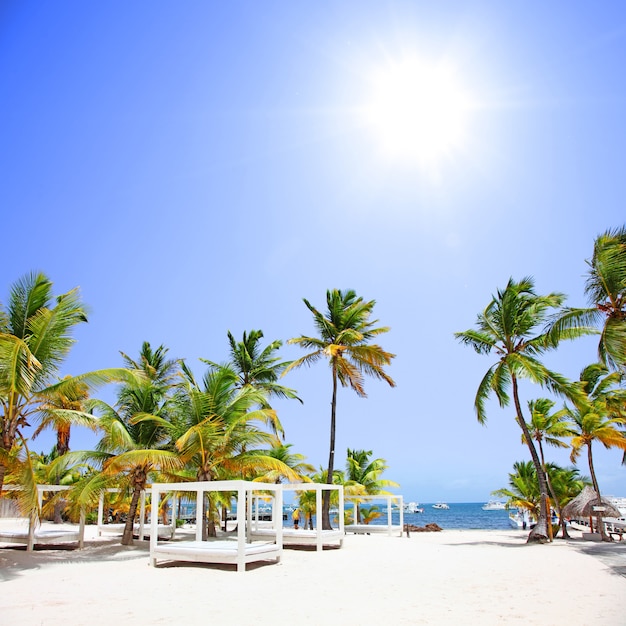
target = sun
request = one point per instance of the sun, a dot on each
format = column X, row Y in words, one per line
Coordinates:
column 418, row 111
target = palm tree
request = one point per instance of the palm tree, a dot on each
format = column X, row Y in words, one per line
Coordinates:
column 61, row 411
column 35, row 337
column 217, row 434
column 256, row 366
column 600, row 416
column 548, row 427
column 566, row 483
column 294, row 460
column 363, row 473
column 345, row 333
column 307, row 499
column 136, row 440
column 606, row 290
column 519, row 326
column 523, row 490
column 53, row 469
column 369, row 514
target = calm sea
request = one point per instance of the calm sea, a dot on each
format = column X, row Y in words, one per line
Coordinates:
column 460, row 515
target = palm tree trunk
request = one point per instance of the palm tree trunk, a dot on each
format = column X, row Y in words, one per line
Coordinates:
column 3, row 471
column 63, row 447
column 205, row 515
column 127, row 537
column 326, row 525
column 557, row 504
column 8, row 436
column 554, row 498
column 539, row 533
column 596, row 487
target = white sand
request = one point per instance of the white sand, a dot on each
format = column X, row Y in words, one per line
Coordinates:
column 452, row 577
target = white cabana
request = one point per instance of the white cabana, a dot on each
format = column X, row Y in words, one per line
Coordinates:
column 32, row 532
column 391, row 502
column 239, row 549
column 143, row 530
column 301, row 536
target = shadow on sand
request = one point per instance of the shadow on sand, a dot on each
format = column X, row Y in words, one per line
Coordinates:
column 16, row 559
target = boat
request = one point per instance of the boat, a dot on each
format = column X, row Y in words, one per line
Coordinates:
column 412, row 507
column 440, row 505
column 619, row 502
column 521, row 520
column 494, row 505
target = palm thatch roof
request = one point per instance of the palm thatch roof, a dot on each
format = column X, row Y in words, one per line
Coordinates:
column 582, row 505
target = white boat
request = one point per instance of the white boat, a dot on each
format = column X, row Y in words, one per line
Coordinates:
column 494, row 505
column 619, row 502
column 440, row 505
column 412, row 507
column 521, row 520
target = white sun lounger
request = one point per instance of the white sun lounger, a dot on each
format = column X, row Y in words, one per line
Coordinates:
column 239, row 550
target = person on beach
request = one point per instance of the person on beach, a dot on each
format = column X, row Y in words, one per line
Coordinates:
column 296, row 518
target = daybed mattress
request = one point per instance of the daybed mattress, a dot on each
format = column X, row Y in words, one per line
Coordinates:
column 372, row 528
column 215, row 551
column 291, row 536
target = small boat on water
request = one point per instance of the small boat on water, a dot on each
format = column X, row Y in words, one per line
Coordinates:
column 494, row 505
column 521, row 520
column 440, row 505
column 412, row 507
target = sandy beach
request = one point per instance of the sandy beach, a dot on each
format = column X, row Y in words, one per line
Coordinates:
column 451, row 577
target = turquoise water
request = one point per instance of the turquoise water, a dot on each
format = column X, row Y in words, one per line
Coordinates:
column 460, row 515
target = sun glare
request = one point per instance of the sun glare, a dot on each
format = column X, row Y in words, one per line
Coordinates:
column 418, row 111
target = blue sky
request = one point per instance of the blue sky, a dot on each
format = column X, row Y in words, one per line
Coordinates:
column 201, row 167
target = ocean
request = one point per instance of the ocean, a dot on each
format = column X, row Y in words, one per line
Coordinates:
column 460, row 515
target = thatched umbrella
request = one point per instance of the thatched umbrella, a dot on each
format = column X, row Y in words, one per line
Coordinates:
column 583, row 506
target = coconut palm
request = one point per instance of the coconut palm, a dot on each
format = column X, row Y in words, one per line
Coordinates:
column 307, row 503
column 35, row 337
column 365, row 473
column 519, row 326
column 217, row 432
column 369, row 514
column 606, row 290
column 566, row 483
column 551, row 428
column 523, row 490
column 599, row 417
column 257, row 366
column 54, row 469
column 294, row 460
column 307, row 499
column 61, row 411
column 136, row 439
column 345, row 335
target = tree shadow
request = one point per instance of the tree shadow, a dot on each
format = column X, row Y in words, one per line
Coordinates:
column 15, row 559
column 611, row 553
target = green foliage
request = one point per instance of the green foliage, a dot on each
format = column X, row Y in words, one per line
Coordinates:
column 345, row 334
column 606, row 289
column 599, row 415
column 366, row 473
